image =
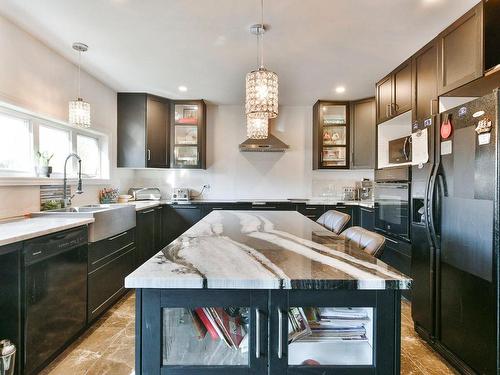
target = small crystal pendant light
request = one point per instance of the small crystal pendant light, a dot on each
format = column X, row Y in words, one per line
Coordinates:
column 257, row 128
column 79, row 110
column 261, row 101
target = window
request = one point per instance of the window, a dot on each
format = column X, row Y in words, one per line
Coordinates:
column 15, row 144
column 88, row 149
column 23, row 135
column 56, row 142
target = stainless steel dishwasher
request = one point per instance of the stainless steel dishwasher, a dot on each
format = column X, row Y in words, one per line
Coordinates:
column 55, row 294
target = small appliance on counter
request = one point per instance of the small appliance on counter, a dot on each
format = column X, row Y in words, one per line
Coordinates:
column 365, row 189
column 145, row 194
column 350, row 193
column 181, row 195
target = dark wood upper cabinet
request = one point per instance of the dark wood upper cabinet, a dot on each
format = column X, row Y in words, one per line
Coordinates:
column 188, row 134
column 142, row 131
column 157, row 132
column 363, row 128
column 460, row 51
column 401, row 101
column 384, row 99
column 331, row 135
column 425, row 96
column 394, row 93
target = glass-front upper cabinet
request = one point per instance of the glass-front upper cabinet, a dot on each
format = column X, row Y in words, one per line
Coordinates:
column 188, row 126
column 331, row 135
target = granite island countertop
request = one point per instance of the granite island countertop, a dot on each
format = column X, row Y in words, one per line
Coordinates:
column 263, row 250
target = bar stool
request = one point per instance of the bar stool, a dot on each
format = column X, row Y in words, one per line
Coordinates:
column 334, row 220
column 370, row 242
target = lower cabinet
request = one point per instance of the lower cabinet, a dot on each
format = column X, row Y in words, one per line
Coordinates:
column 311, row 211
column 146, row 239
column 397, row 254
column 366, row 218
column 179, row 218
column 10, row 298
column 188, row 331
column 109, row 262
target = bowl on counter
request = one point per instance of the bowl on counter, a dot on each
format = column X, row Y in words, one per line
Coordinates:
column 124, row 198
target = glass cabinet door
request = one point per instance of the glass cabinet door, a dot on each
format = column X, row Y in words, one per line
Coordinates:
column 330, row 336
column 187, row 125
column 207, row 332
column 334, row 142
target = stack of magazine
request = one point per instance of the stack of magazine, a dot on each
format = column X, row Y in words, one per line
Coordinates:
column 230, row 328
column 322, row 324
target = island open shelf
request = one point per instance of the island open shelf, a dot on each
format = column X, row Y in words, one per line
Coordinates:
column 244, row 292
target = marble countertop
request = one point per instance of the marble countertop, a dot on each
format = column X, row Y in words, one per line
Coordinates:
column 263, row 250
column 24, row 229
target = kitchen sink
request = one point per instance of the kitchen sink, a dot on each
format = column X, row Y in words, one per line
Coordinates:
column 109, row 220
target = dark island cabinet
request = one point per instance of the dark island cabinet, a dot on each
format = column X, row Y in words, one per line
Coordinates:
column 171, row 337
column 397, row 253
column 142, row 131
column 109, row 262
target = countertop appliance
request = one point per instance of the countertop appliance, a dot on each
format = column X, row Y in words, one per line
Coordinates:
column 55, row 294
column 400, row 150
column 145, row 194
column 181, row 195
column 455, row 247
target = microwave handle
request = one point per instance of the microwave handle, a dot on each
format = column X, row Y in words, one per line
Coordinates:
column 404, row 149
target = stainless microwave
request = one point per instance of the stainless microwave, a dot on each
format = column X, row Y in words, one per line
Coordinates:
column 400, row 150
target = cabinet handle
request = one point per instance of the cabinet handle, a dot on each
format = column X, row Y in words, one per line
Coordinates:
column 387, row 110
column 257, row 333
column 311, row 208
column 341, row 207
column 432, row 106
column 311, row 216
column 280, row 333
column 396, row 108
column 149, row 154
column 36, row 253
column 365, row 209
column 147, row 212
column 265, row 207
column 217, row 208
column 117, row 236
column 388, row 239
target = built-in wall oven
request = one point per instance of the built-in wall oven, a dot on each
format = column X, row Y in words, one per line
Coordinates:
column 392, row 204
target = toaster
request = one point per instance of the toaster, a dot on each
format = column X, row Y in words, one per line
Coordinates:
column 145, row 194
column 180, row 194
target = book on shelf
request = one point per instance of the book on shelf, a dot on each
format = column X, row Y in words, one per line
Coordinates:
column 199, row 328
column 343, row 313
column 222, row 326
column 298, row 326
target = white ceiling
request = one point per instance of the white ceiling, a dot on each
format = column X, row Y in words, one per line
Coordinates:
column 313, row 45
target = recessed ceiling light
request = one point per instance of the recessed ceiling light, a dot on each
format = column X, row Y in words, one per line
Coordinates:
column 340, row 89
column 182, row 88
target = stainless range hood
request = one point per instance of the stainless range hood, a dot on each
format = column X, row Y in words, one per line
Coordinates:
column 270, row 144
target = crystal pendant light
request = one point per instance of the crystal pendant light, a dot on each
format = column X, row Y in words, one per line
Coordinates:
column 257, row 128
column 261, row 84
column 79, row 110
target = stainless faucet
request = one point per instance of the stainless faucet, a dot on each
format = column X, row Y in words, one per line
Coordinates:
column 79, row 190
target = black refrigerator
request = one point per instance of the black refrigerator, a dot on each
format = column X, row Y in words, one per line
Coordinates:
column 455, row 236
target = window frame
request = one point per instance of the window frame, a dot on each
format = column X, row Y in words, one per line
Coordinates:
column 12, row 177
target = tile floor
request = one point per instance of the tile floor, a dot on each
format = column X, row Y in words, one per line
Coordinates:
column 108, row 347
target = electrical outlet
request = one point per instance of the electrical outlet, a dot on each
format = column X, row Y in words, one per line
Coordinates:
column 207, row 186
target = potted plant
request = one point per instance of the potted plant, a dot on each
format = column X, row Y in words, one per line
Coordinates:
column 43, row 168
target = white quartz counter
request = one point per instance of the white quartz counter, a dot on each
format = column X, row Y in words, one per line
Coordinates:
column 24, row 229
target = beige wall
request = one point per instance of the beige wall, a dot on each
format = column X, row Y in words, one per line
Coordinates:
column 35, row 77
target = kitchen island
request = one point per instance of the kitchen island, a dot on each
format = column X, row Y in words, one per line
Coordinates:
column 253, row 292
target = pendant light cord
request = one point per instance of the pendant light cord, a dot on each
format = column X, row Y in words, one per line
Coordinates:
column 262, row 34
column 79, row 72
